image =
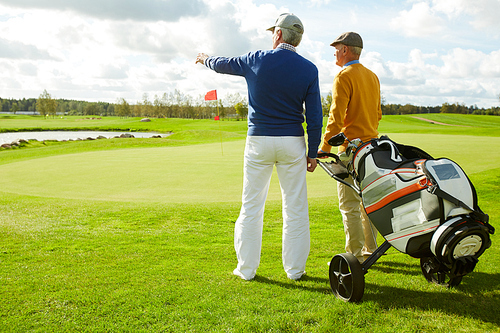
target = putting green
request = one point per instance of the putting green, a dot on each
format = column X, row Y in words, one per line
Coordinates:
column 200, row 173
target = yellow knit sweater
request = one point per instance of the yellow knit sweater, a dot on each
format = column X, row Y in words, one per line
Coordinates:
column 355, row 108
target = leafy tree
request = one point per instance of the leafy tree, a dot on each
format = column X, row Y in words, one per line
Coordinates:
column 158, row 107
column 14, row 108
column 389, row 109
column 236, row 104
column 408, row 109
column 90, row 109
column 122, row 108
column 145, row 109
column 326, row 103
column 110, row 111
column 454, row 108
column 62, row 107
column 241, row 109
column 189, row 108
column 46, row 105
column 179, row 105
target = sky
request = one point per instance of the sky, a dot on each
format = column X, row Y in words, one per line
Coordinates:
column 425, row 52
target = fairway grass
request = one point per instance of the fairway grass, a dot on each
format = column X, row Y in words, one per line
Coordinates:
column 83, row 265
column 137, row 236
column 201, row 173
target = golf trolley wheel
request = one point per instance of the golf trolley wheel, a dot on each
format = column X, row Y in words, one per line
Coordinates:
column 346, row 277
column 434, row 273
column 460, row 237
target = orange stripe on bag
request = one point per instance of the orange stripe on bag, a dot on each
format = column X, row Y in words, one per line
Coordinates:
column 422, row 183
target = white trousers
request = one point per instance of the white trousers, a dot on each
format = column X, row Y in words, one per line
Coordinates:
column 288, row 154
column 360, row 235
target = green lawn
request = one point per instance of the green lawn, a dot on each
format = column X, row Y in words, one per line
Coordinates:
column 34, row 123
column 200, row 173
column 136, row 235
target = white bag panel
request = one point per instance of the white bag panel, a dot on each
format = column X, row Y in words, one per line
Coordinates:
column 388, row 184
column 451, row 179
column 408, row 215
column 400, row 239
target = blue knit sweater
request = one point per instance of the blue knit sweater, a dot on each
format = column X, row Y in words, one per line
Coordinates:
column 279, row 83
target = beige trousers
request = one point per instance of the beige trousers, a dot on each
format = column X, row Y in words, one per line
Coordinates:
column 360, row 234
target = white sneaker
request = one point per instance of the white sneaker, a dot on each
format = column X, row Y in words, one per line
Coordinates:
column 238, row 273
column 297, row 277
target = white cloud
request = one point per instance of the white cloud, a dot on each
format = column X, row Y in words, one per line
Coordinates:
column 318, row 2
column 114, row 71
column 420, row 21
column 436, row 51
column 239, row 26
column 464, row 75
column 460, row 63
column 19, row 50
column 152, row 10
column 480, row 14
column 452, row 8
column 486, row 15
column 489, row 66
column 28, row 69
column 375, row 62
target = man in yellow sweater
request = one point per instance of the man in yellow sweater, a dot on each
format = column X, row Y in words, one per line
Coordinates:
column 356, row 112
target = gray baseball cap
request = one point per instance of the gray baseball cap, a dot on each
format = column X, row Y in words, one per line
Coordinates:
column 288, row 21
column 349, row 39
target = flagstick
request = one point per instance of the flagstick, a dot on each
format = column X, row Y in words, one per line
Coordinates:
column 220, row 131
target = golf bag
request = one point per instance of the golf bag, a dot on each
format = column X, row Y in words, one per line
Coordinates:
column 424, row 207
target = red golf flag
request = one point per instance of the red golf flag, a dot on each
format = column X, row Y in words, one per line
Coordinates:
column 211, row 95
column 216, row 118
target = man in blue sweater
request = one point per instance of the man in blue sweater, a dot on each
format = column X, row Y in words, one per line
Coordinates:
column 279, row 83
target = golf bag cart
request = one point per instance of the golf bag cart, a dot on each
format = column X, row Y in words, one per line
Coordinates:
column 424, row 207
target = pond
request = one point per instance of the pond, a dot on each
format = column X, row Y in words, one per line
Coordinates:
column 69, row 135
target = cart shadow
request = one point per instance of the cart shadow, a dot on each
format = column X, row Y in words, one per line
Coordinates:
column 474, row 282
column 411, row 268
column 476, row 296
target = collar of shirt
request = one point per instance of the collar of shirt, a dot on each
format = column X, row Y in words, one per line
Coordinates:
column 351, row 63
column 288, row 47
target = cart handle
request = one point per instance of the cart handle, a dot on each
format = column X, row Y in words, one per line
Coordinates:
column 340, row 180
column 332, row 155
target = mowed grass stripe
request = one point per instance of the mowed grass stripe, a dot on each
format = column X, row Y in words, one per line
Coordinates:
column 171, row 174
column 201, row 173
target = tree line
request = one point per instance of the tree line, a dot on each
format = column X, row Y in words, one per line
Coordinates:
column 398, row 109
column 178, row 105
column 445, row 108
column 46, row 105
column 169, row 105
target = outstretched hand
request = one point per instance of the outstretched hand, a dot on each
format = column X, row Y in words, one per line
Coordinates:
column 201, row 58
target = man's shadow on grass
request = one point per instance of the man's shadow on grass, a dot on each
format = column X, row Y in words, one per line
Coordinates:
column 319, row 284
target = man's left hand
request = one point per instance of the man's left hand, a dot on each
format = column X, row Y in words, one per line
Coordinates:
column 311, row 164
